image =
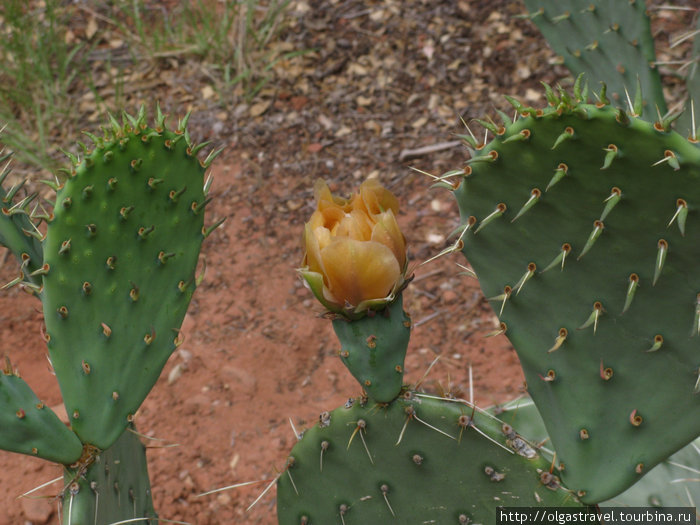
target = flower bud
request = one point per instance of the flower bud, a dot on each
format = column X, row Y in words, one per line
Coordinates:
column 355, row 254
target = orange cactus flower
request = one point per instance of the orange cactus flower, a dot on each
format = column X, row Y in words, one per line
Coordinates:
column 355, row 254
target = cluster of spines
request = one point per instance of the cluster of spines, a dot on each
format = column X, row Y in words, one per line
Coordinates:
column 597, row 310
column 19, row 228
column 121, row 133
column 560, row 102
column 130, row 128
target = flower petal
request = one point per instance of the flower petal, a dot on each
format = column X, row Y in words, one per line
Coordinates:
column 357, row 271
column 324, row 197
column 376, row 198
column 356, row 225
column 312, row 255
column 387, row 232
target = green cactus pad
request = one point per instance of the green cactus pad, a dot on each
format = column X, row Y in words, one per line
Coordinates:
column 671, row 483
column 374, row 348
column 30, row 427
column 121, row 252
column 610, row 42
column 110, row 487
column 587, row 248
column 418, row 459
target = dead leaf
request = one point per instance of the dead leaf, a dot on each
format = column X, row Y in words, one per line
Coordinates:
column 91, row 28
column 435, row 238
column 207, row 92
column 419, row 123
column 437, row 205
column 298, row 102
column 258, row 109
column 301, row 7
column 357, row 69
column 175, row 373
column 373, row 125
column 428, row 49
column 377, row 15
column 363, row 101
column 325, row 122
column 433, row 101
column 532, row 95
column 294, row 205
column 343, row 131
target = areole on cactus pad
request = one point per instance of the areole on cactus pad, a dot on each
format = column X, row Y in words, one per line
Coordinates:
column 582, row 229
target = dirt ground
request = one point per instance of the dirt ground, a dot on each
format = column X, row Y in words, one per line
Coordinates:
column 382, row 77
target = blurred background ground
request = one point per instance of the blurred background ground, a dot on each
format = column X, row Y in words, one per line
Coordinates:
column 293, row 91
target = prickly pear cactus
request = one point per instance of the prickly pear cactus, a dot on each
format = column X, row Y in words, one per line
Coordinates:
column 119, row 270
column 418, row 459
column 374, row 348
column 610, row 42
column 582, row 226
column 109, row 487
column 29, row 426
